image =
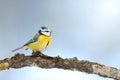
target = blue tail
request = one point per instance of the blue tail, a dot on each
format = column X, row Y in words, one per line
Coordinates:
column 17, row 48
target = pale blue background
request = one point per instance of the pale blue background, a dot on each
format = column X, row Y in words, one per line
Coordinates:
column 87, row 29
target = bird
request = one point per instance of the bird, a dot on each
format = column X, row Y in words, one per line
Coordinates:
column 40, row 42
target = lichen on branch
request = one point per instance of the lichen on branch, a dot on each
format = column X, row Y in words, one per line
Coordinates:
column 44, row 61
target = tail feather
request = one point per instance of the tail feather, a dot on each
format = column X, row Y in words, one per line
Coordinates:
column 17, row 48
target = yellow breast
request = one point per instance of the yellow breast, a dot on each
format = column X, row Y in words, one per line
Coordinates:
column 40, row 45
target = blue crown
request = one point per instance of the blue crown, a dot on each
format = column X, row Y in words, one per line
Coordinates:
column 43, row 27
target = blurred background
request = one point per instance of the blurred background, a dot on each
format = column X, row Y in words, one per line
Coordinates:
column 87, row 29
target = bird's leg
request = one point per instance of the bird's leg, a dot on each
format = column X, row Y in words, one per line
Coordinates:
column 40, row 54
column 36, row 53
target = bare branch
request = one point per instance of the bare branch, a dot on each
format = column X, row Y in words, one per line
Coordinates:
column 44, row 61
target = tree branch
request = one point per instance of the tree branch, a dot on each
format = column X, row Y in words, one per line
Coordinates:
column 44, row 61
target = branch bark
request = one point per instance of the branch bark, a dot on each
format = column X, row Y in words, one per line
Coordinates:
column 44, row 61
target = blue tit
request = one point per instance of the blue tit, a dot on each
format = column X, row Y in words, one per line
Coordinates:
column 40, row 42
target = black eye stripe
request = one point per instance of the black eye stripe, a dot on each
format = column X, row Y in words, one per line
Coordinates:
column 46, row 31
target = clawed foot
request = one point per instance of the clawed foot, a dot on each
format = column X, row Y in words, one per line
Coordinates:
column 36, row 54
column 40, row 54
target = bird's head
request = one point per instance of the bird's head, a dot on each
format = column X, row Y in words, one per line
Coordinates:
column 45, row 31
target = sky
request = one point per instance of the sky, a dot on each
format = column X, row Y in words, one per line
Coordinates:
column 86, row 29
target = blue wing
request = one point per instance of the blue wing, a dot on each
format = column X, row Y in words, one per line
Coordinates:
column 34, row 39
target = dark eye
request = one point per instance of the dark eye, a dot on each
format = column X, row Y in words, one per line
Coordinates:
column 46, row 31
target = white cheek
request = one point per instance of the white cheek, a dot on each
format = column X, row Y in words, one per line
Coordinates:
column 46, row 33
